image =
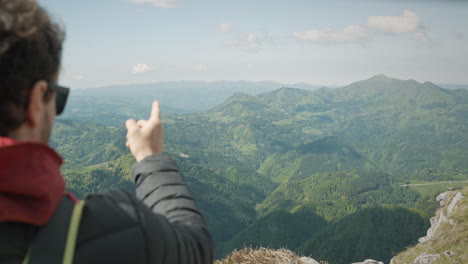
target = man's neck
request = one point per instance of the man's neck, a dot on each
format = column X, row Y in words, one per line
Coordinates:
column 26, row 133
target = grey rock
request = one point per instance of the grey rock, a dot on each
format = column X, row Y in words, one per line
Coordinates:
column 369, row 261
column 442, row 198
column 453, row 204
column 436, row 221
column 306, row 260
column 425, row 258
column 449, row 253
column 440, row 218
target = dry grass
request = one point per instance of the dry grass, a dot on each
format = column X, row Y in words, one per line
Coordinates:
column 261, row 256
column 452, row 238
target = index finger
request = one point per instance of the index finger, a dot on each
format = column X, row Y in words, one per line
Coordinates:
column 155, row 113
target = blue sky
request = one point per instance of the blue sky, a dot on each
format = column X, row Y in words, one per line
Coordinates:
column 319, row 42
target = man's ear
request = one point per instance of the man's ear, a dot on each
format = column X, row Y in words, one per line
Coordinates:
column 36, row 103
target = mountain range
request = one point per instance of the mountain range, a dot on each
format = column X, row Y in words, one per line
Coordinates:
column 176, row 97
column 285, row 167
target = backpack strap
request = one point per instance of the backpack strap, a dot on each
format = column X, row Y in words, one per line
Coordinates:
column 73, row 232
column 56, row 241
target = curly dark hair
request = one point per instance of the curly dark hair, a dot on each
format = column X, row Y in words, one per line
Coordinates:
column 30, row 50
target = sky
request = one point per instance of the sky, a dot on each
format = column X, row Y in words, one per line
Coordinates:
column 322, row 42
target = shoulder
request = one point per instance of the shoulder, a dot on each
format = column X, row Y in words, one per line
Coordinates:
column 119, row 204
column 109, row 211
column 110, row 228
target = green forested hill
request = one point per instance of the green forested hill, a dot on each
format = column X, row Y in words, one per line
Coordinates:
column 259, row 160
column 279, row 229
column 99, row 178
column 111, row 105
column 326, row 154
column 373, row 233
column 228, row 204
column 407, row 129
column 84, row 144
column 334, row 195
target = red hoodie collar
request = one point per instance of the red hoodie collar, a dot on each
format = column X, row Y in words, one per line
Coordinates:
column 31, row 186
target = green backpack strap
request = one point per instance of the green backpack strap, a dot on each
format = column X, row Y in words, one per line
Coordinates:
column 55, row 243
column 73, row 233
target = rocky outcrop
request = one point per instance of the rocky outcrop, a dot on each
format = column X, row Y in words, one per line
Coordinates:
column 440, row 218
column 369, row 261
column 443, row 198
column 436, row 222
column 426, row 258
column 454, row 203
column 447, row 238
column 306, row 260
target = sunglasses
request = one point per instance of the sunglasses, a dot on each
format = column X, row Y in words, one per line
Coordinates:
column 62, row 95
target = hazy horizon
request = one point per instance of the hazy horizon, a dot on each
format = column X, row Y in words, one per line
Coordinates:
column 261, row 81
column 112, row 42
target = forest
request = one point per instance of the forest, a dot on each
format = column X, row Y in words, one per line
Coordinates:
column 320, row 171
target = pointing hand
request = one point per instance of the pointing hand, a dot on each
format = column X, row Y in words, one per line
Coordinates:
column 145, row 137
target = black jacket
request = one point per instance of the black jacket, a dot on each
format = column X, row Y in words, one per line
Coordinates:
column 161, row 225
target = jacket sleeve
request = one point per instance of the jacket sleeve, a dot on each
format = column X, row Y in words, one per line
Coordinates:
column 175, row 231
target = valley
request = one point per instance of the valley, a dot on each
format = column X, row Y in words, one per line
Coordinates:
column 306, row 169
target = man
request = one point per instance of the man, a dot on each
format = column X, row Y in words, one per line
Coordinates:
column 161, row 225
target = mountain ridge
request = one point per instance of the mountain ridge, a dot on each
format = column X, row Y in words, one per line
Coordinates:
column 326, row 151
column 379, row 86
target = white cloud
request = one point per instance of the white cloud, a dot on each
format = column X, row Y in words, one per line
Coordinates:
column 407, row 23
column 350, row 34
column 77, row 77
column 251, row 38
column 250, row 43
column 140, row 68
column 423, row 37
column 200, row 67
column 226, row 28
column 250, row 66
column 158, row 3
column 247, row 43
